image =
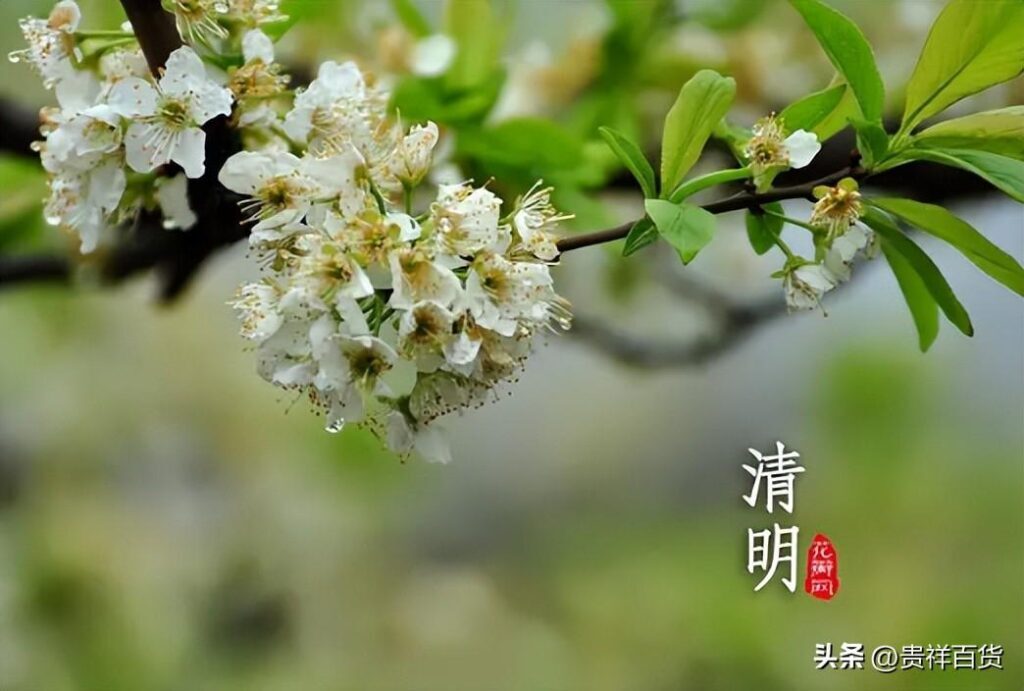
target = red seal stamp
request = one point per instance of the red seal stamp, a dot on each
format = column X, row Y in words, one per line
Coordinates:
column 822, row 579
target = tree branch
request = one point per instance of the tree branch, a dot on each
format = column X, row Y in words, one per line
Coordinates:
column 743, row 200
column 155, row 29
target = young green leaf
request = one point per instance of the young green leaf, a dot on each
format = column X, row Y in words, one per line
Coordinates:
column 479, row 36
column 634, row 160
column 1003, row 172
column 939, row 222
column 872, row 140
column 849, row 52
column 763, row 229
column 996, row 131
column 411, row 17
column 642, row 234
column 811, row 110
column 924, row 266
column 686, row 227
column 974, row 44
column 923, row 308
column 702, row 103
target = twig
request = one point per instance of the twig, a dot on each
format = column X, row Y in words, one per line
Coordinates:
column 743, row 200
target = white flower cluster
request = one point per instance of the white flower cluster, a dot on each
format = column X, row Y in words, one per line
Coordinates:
column 115, row 122
column 365, row 300
column 379, row 315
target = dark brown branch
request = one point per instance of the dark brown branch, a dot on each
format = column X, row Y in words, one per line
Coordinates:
column 743, row 200
column 19, row 127
column 155, row 29
column 41, row 268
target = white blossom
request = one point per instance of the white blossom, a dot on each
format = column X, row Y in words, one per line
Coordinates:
column 51, row 43
column 167, row 118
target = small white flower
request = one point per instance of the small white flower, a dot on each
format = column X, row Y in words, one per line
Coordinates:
column 410, row 160
column 283, row 187
column 252, row 13
column 501, row 293
column 416, row 277
column 258, row 305
column 425, row 329
column 50, row 41
column 172, row 195
column 805, row 285
column 428, row 441
column 432, row 56
column 769, row 150
column 534, row 220
column 197, row 20
column 333, row 111
column 466, row 220
column 167, row 118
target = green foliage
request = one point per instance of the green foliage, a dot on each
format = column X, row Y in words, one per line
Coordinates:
column 813, row 109
column 702, row 103
column 634, row 160
column 763, row 229
column 688, row 228
column 24, row 185
column 411, row 17
column 525, row 144
column 923, row 308
column 890, row 234
column 642, row 234
column 872, row 141
column 995, row 131
column 939, row 222
column 1003, row 172
column 974, row 44
column 849, row 52
column 479, row 35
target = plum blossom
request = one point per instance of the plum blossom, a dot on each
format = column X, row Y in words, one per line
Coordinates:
column 51, row 42
column 167, row 118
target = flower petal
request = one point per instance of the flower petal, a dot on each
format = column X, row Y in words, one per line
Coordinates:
column 132, row 97
column 190, row 152
column 802, row 146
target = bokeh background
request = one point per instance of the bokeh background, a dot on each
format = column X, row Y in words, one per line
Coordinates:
column 169, row 521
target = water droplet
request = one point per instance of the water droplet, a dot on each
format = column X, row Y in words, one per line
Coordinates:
column 335, row 426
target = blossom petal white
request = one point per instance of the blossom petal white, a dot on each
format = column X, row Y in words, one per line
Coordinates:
column 190, row 152
column 802, row 146
column 256, row 45
column 133, row 97
column 182, row 71
column 172, row 194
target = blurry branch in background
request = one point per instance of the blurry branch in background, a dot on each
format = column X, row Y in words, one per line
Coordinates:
column 19, row 127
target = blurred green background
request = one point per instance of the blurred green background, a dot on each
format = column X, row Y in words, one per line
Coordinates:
column 169, row 521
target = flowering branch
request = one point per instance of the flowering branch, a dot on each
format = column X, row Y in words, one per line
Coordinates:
column 743, row 200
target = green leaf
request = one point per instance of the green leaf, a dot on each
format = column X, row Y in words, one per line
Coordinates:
column 640, row 235
column 923, row 308
column 811, row 110
column 763, row 229
column 1003, row 172
column 939, row 222
column 702, row 103
column 924, row 266
column 479, row 37
column 529, row 144
column 996, row 131
column 872, row 140
column 634, row 160
column 411, row 18
column 686, row 227
column 974, row 44
column 849, row 52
